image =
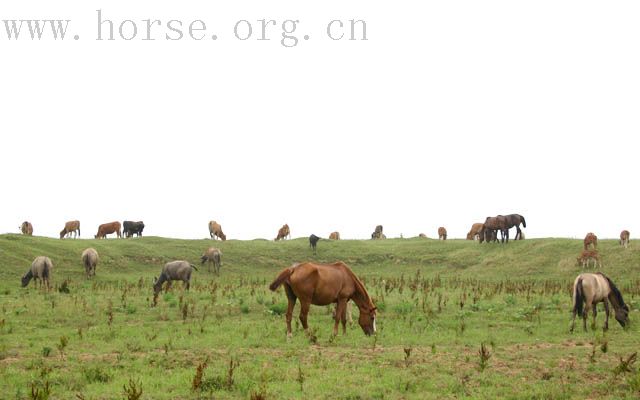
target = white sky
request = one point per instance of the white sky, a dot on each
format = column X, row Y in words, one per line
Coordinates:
column 452, row 111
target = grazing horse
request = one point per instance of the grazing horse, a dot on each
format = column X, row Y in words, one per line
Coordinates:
column 590, row 239
column 283, row 233
column 377, row 233
column 587, row 255
column 514, row 220
column 90, row 261
column 592, row 289
column 422, row 235
column 334, row 236
column 69, row 228
column 491, row 227
column 26, row 228
column 323, row 284
column 313, row 241
column 213, row 256
column 215, row 230
column 474, row 232
column 624, row 238
column 442, row 233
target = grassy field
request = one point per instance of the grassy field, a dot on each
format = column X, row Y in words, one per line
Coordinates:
column 456, row 320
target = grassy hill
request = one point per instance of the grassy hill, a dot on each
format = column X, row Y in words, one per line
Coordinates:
column 133, row 258
column 440, row 304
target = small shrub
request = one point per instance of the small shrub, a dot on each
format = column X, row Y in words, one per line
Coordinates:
column 244, row 308
column 96, row 374
column 46, row 351
column 133, row 390
column 278, row 308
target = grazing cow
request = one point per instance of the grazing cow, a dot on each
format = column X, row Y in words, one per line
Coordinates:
column 334, row 236
column 90, row 261
column 442, row 233
column 215, row 230
column 377, row 233
column 173, row 271
column 313, row 241
column 107, row 229
column 590, row 239
column 129, row 228
column 624, row 238
column 41, row 269
column 213, row 256
column 474, row 232
column 26, row 228
column 283, row 232
column 586, row 256
column 69, row 228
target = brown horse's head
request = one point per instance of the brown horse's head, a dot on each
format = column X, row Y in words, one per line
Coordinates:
column 622, row 315
column 367, row 321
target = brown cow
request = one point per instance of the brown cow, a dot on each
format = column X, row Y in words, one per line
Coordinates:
column 107, row 229
column 283, row 232
column 215, row 230
column 26, row 228
column 474, row 233
column 334, row 236
column 624, row 238
column 591, row 238
column 69, row 228
column 587, row 255
column 442, row 233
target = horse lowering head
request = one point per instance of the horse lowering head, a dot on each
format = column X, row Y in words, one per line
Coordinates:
column 622, row 315
column 367, row 321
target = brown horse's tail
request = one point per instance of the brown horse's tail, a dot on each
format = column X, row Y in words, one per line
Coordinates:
column 578, row 297
column 283, row 276
column 524, row 223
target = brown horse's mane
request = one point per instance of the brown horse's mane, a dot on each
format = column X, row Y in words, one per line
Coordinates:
column 360, row 287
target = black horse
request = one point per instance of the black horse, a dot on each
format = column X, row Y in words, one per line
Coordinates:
column 313, row 241
column 512, row 220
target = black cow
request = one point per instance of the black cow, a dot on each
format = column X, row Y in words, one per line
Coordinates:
column 131, row 227
column 313, row 240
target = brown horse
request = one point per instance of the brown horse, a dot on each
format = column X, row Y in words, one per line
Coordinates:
column 323, row 284
column 491, row 226
column 590, row 239
column 283, row 232
column 592, row 289
column 26, row 228
column 474, row 232
column 70, row 227
column 442, row 233
column 215, row 230
column 624, row 238
column 587, row 255
column 334, row 236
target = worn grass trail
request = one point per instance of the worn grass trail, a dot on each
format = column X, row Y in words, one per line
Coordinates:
column 439, row 303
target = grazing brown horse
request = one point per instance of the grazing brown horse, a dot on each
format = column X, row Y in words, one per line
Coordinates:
column 624, row 238
column 491, row 227
column 442, row 233
column 215, row 230
column 26, row 228
column 283, row 232
column 590, row 239
column 69, row 228
column 107, row 229
column 591, row 289
column 474, row 232
column 587, row 255
column 334, row 236
column 323, row 284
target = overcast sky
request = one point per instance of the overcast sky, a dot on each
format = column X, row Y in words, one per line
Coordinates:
column 450, row 112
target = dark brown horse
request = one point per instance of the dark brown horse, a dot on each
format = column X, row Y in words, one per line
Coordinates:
column 515, row 220
column 323, row 284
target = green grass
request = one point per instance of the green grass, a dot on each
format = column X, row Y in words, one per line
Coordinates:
column 438, row 301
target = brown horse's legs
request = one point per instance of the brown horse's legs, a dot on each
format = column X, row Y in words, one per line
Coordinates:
column 341, row 309
column 291, row 298
column 304, row 311
column 606, row 313
column 585, row 313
